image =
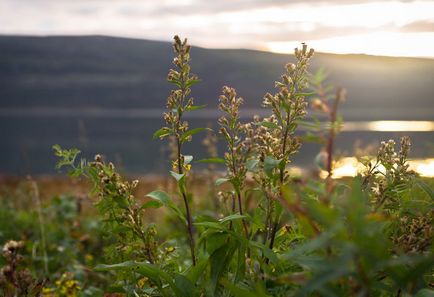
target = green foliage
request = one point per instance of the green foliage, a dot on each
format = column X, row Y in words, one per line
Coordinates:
column 73, row 243
column 321, row 238
column 367, row 236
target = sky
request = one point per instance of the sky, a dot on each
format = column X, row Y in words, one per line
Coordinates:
column 391, row 28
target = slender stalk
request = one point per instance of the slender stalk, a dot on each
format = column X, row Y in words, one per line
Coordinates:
column 267, row 219
column 364, row 277
column 37, row 199
column 233, row 211
column 138, row 230
column 235, row 171
column 287, row 123
column 289, row 88
column 246, row 231
column 332, row 133
column 178, row 103
column 273, row 234
column 238, row 149
column 187, row 207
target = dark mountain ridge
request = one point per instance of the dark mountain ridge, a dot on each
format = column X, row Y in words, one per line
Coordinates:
column 109, row 72
column 106, row 94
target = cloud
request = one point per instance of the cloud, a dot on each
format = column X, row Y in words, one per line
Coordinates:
column 223, row 23
column 420, row 26
column 211, row 7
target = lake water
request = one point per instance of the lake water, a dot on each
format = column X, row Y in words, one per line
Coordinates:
column 125, row 137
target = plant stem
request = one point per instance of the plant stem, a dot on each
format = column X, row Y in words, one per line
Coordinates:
column 332, row 134
column 233, row 211
column 241, row 213
column 137, row 228
column 187, row 206
column 190, row 227
column 267, row 219
column 273, row 233
column 363, row 276
column 235, row 173
column 41, row 224
column 281, row 179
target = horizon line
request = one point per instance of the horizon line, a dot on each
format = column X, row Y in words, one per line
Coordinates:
column 265, row 50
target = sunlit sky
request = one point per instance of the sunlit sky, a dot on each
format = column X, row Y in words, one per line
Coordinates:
column 391, row 28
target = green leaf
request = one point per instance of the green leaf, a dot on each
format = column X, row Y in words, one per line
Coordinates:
column 191, row 82
column 251, row 164
column 219, row 260
column 191, row 132
column 304, row 94
column 194, row 272
column 266, row 251
column 195, row 107
column 315, row 126
column 425, row 293
column 188, row 159
column 323, row 214
column 122, row 202
column 67, row 157
column 175, row 82
column 211, row 160
column 238, row 291
column 270, row 125
column 211, row 225
column 241, row 263
column 215, row 241
column 161, row 196
column 269, row 164
column 233, row 217
column 143, row 268
column 318, row 243
column 161, row 133
column 407, row 269
column 309, row 137
column 177, row 176
column 184, row 285
column 164, row 198
column 425, row 188
column 151, row 204
column 220, row 181
column 181, row 286
column 319, row 280
column 57, row 150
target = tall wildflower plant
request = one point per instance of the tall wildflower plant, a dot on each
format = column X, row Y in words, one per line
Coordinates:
column 178, row 103
column 210, row 145
column 388, row 176
column 325, row 105
column 123, row 217
column 239, row 145
column 276, row 140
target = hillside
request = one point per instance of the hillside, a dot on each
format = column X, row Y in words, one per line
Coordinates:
column 56, row 90
column 103, row 72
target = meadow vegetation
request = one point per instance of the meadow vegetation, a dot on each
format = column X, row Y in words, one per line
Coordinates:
column 255, row 231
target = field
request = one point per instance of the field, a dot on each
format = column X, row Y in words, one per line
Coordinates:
column 245, row 223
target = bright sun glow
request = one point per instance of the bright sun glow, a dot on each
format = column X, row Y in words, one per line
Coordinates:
column 348, row 167
column 390, row 126
column 389, row 28
column 365, row 15
column 425, row 168
column 378, row 43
